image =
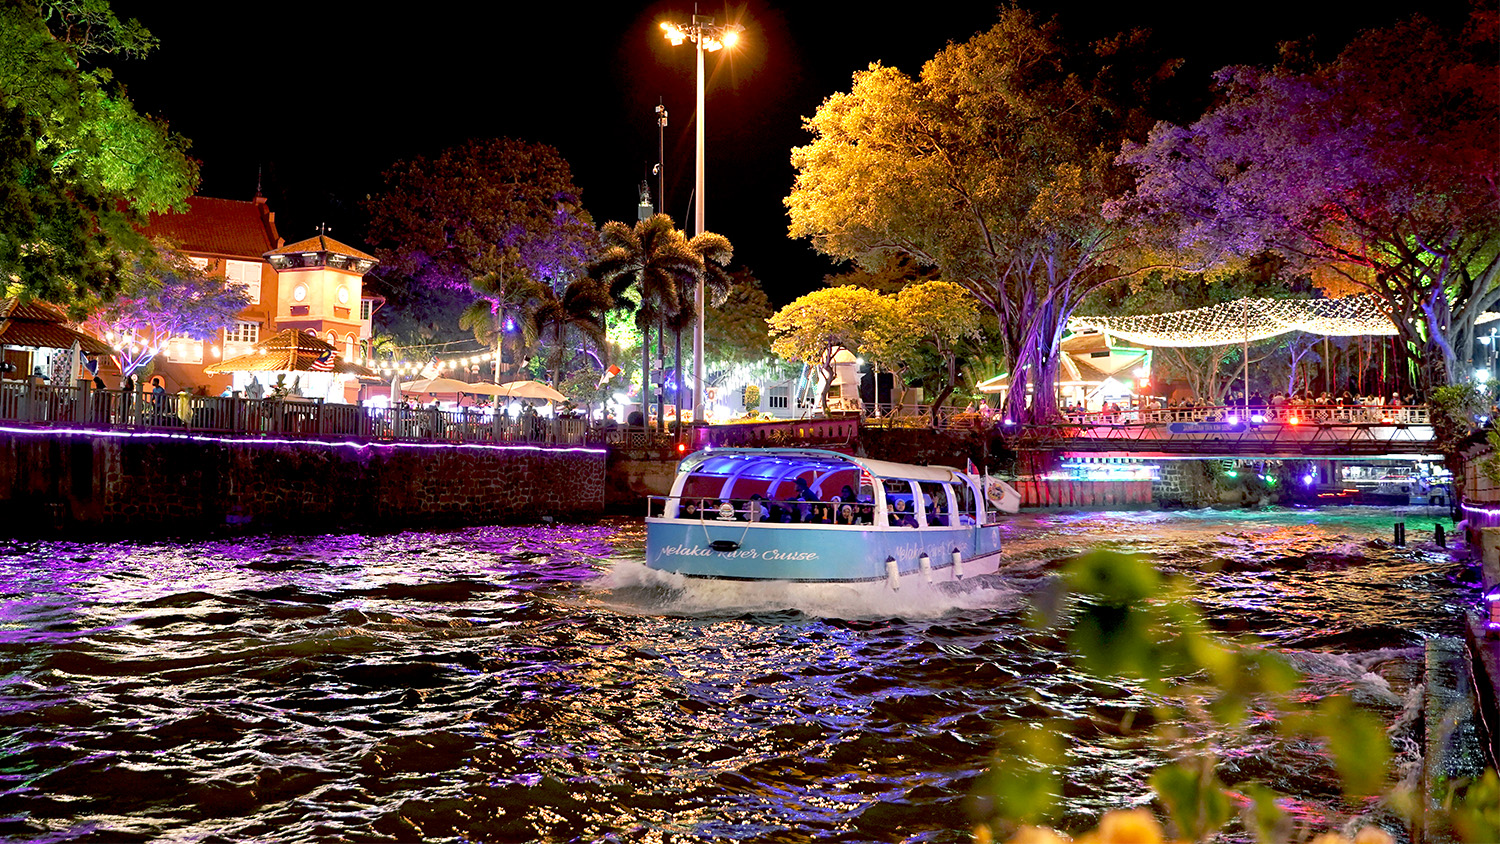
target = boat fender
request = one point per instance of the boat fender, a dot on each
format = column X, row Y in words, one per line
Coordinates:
column 892, row 574
column 958, row 565
column 724, row 545
column 924, row 562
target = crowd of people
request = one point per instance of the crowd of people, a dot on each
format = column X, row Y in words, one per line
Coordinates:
column 1161, row 410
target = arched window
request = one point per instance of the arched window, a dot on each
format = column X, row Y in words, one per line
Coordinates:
column 348, row 347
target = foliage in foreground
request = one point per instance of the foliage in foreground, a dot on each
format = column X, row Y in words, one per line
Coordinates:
column 1132, row 624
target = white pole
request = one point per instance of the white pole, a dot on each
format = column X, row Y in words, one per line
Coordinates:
column 699, row 407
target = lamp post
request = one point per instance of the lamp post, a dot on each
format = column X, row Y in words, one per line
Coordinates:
column 707, row 37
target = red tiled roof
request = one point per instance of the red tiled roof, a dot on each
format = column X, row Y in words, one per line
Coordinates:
column 38, row 326
column 321, row 243
column 224, row 227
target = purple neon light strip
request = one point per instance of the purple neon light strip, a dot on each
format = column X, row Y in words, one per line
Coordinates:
column 162, row 435
column 1472, row 509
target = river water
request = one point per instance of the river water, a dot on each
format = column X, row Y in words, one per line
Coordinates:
column 538, row 684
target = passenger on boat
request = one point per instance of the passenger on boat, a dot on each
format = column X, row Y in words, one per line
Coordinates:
column 754, row 512
column 902, row 517
column 846, row 514
column 690, row 509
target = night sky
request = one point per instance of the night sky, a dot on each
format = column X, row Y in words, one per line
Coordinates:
column 324, row 96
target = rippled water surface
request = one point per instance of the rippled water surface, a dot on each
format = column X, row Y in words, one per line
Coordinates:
column 538, row 684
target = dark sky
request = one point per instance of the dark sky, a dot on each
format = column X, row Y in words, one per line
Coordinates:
column 323, row 96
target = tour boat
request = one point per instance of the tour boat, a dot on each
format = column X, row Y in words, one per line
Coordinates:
column 815, row 516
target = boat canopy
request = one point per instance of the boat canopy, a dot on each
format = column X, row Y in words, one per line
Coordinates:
column 777, row 463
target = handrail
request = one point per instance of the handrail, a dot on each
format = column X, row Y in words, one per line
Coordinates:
column 83, row 405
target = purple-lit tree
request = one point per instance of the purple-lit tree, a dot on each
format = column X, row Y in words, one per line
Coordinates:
column 175, row 299
column 482, row 207
column 1375, row 172
column 992, row 166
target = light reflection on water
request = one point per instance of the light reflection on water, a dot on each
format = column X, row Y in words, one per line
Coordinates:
column 539, row 684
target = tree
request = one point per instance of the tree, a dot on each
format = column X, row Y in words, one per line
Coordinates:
column 509, row 299
column 165, row 298
column 941, row 315
column 1377, row 170
column 646, row 265
column 714, row 252
column 485, row 206
column 814, row 328
column 992, row 166
column 580, row 311
column 735, row 331
column 80, row 168
column 896, row 273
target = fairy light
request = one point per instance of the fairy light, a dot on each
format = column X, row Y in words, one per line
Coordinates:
column 1250, row 320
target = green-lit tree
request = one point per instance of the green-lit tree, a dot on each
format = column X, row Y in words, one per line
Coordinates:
column 80, row 168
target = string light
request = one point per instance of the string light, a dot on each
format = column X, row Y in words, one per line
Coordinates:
column 1250, row 320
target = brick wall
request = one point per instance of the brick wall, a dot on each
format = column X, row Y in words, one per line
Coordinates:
column 95, row 482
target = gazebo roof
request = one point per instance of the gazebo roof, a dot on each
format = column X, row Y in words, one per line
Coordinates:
column 287, row 351
column 40, row 326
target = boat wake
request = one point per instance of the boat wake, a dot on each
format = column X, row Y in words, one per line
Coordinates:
column 633, row 589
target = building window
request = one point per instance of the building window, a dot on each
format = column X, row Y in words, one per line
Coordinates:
column 348, row 347
column 243, row 332
column 364, row 309
column 200, row 263
column 778, row 398
column 246, row 273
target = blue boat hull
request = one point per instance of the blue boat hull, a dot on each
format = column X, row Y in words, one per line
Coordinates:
column 813, row 553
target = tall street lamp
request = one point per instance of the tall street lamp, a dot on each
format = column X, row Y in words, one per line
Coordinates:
column 707, row 37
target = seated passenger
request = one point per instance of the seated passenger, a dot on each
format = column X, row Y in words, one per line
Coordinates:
column 846, row 515
column 690, row 509
column 754, row 512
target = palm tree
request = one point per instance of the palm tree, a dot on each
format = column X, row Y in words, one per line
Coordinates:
column 646, row 263
column 505, row 298
column 714, row 252
column 581, row 308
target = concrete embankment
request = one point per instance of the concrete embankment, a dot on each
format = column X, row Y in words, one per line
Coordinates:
column 119, row 483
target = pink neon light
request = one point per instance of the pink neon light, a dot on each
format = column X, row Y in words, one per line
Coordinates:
column 1472, row 509
column 164, row 435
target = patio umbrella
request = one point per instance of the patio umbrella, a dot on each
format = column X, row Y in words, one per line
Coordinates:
column 452, row 385
column 529, row 390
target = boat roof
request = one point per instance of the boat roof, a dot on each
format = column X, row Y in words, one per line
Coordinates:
column 774, row 463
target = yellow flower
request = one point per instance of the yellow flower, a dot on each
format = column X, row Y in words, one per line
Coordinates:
column 1129, row 826
column 1036, row 835
column 1373, row 835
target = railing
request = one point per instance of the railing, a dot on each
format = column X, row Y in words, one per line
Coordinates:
column 42, row 404
column 795, row 511
column 1301, row 429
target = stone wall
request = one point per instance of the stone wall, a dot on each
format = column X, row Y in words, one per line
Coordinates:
column 121, row 483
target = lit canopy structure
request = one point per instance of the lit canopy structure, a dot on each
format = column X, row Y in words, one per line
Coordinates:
column 1249, row 320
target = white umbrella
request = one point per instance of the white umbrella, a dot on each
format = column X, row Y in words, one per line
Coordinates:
column 451, row 385
column 529, row 390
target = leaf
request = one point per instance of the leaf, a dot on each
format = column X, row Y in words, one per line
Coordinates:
column 1194, row 797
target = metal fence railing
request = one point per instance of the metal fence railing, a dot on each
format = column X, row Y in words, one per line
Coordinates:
column 39, row 403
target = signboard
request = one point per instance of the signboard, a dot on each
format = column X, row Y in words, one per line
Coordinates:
column 1206, row 427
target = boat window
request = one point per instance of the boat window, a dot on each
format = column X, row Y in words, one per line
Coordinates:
column 965, row 495
column 899, row 503
column 935, row 503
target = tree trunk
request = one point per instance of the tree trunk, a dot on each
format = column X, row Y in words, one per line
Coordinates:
column 645, row 327
column 677, row 379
